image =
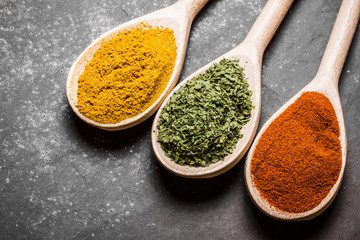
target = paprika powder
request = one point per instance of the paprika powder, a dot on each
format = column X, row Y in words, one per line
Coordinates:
column 298, row 158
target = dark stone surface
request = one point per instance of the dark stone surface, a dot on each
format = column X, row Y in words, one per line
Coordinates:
column 62, row 179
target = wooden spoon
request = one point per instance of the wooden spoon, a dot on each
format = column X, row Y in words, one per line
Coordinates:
column 177, row 17
column 325, row 82
column 250, row 53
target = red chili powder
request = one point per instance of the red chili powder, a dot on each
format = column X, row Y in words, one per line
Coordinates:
column 298, row 158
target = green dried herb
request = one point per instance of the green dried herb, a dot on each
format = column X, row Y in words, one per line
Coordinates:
column 201, row 123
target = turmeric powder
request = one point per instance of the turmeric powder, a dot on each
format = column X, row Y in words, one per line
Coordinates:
column 127, row 74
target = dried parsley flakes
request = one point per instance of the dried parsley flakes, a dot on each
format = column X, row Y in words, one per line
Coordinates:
column 201, row 123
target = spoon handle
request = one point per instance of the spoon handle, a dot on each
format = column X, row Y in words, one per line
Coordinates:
column 339, row 43
column 267, row 23
column 192, row 6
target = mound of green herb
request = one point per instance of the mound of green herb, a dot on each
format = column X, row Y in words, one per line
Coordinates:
column 201, row 123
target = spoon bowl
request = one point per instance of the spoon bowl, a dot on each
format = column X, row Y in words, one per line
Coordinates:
column 325, row 82
column 177, row 17
column 249, row 53
column 317, row 85
column 252, row 71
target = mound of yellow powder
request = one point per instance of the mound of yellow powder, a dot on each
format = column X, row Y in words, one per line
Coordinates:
column 127, row 74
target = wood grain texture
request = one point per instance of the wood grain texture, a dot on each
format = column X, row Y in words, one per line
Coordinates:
column 177, row 17
column 324, row 82
column 267, row 23
column 249, row 53
column 192, row 6
column 340, row 40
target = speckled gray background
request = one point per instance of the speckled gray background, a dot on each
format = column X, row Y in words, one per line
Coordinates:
column 62, row 179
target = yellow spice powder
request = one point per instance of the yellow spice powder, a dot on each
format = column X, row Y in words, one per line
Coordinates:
column 127, row 74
